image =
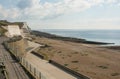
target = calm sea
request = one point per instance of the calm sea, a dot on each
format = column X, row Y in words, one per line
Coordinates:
column 110, row 36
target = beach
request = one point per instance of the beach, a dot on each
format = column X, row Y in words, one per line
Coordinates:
column 92, row 60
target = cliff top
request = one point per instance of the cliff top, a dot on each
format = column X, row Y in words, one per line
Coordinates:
column 6, row 23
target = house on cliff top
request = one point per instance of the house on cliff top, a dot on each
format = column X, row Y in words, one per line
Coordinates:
column 15, row 28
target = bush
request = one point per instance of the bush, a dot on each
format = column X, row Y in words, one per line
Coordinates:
column 75, row 61
column 65, row 64
column 2, row 31
column 103, row 67
column 115, row 74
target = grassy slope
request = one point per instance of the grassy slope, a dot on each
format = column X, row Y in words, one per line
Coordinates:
column 2, row 31
column 3, row 23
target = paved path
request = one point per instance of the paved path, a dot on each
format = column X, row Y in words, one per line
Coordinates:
column 48, row 70
column 14, row 69
column 33, row 45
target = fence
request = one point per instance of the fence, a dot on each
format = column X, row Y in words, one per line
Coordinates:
column 32, row 70
column 38, row 55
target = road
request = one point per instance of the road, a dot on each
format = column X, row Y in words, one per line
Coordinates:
column 13, row 68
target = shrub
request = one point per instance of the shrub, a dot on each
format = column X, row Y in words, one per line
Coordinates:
column 103, row 67
column 75, row 61
column 59, row 52
column 115, row 74
column 65, row 64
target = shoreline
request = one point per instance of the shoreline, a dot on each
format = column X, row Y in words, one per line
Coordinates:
column 112, row 47
column 81, row 57
column 71, row 39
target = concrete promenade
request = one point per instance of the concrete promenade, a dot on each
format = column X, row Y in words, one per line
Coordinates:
column 48, row 70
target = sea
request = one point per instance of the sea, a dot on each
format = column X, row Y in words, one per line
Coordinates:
column 108, row 36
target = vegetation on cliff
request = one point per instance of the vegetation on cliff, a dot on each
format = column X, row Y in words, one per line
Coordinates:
column 2, row 31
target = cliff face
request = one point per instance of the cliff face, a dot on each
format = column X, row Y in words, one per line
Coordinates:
column 11, row 29
column 3, row 28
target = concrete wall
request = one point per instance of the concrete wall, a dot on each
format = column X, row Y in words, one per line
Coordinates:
column 18, row 47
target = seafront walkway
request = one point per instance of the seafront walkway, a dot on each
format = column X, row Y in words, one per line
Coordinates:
column 37, row 67
column 47, row 70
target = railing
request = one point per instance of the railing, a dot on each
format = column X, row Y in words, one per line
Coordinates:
column 37, row 74
column 38, row 55
column 31, row 69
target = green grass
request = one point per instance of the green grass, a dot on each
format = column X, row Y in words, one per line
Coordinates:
column 46, row 57
column 103, row 67
column 4, row 23
column 65, row 64
column 115, row 74
column 2, row 31
column 74, row 61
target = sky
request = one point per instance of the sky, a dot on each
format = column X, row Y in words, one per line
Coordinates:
column 63, row 14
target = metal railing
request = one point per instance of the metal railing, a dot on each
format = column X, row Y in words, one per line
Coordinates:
column 30, row 68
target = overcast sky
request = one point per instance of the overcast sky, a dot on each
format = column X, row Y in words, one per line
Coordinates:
column 63, row 14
